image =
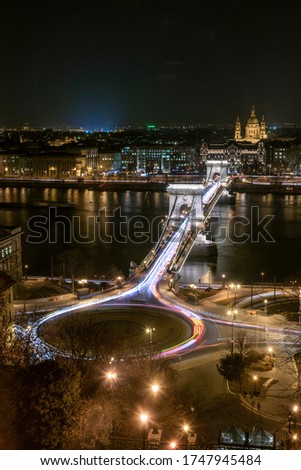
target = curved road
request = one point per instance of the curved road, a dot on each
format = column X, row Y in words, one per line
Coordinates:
column 197, row 349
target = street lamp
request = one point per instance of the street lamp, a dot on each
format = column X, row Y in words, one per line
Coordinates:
column 173, row 444
column 289, row 422
column 270, row 350
column 193, row 288
column 209, row 274
column 291, row 418
column 235, row 287
column 111, row 376
column 150, row 331
column 262, row 275
column 186, row 429
column 144, row 421
column 255, row 381
column 232, row 312
column 155, row 389
column 295, row 437
column 265, row 306
column 25, row 271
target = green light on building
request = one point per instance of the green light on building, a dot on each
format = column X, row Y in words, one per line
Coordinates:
column 151, row 126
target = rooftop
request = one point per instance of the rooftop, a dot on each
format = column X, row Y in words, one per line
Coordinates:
column 7, row 231
column 5, row 281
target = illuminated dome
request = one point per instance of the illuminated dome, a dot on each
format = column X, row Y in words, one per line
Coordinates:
column 253, row 119
column 254, row 130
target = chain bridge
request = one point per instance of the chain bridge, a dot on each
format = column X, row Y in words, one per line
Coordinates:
column 190, row 207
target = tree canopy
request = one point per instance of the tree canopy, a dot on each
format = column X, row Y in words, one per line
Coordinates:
column 48, row 399
column 231, row 366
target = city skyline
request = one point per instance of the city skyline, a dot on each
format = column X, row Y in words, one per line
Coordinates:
column 150, row 235
column 101, row 65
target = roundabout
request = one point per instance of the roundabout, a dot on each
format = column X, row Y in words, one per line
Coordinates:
column 139, row 329
column 145, row 287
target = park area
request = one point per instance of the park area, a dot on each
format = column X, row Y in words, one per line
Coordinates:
column 132, row 329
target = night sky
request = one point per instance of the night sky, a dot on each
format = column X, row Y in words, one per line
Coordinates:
column 109, row 63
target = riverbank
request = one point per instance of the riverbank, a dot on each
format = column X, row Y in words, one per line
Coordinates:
column 267, row 184
column 154, row 183
column 81, row 183
column 266, row 188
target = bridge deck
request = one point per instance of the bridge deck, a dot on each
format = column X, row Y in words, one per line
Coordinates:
column 188, row 235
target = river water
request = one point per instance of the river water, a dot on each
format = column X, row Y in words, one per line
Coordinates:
column 104, row 231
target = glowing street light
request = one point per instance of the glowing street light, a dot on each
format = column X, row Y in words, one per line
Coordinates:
column 150, row 331
column 155, row 388
column 262, row 276
column 235, row 287
column 144, row 421
column 144, row 418
column 194, row 291
column 186, row 429
column 255, row 381
column 265, row 306
column 25, row 271
column 270, row 351
column 232, row 312
column 173, row 445
column 295, row 409
column 209, row 275
column 111, row 375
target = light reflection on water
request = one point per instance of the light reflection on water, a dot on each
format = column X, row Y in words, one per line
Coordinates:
column 241, row 262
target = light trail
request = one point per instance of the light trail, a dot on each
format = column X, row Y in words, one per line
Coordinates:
column 210, row 192
column 151, row 278
column 148, row 283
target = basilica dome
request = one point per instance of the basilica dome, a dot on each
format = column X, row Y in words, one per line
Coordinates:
column 254, row 130
column 253, row 119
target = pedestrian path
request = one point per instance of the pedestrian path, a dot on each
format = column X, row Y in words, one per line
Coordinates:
column 279, row 391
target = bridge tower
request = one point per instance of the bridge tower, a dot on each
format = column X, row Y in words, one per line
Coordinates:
column 185, row 198
column 216, row 169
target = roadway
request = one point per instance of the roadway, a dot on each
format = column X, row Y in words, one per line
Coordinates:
column 146, row 286
column 197, row 357
column 210, row 328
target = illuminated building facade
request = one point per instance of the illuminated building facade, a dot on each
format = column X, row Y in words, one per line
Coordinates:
column 157, row 159
column 11, row 251
column 6, row 302
column 254, row 130
column 242, row 157
column 59, row 163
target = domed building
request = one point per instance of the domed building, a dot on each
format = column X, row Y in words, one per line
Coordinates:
column 254, row 130
column 244, row 154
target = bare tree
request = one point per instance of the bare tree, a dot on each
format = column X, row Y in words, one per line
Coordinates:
column 83, row 337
